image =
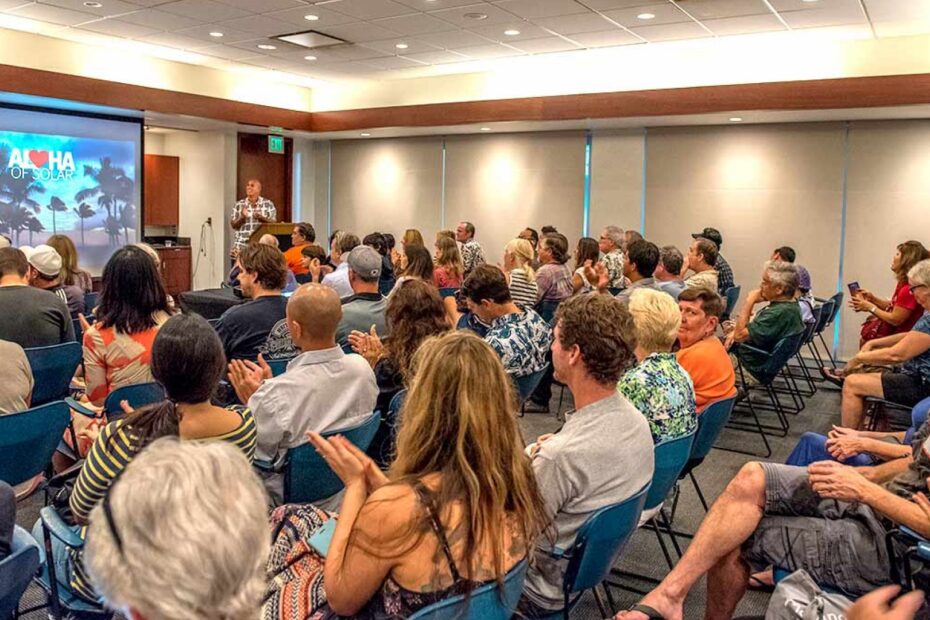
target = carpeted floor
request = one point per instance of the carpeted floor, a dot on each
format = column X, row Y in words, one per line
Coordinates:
column 643, row 555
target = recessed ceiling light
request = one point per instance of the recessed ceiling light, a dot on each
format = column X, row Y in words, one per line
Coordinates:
column 736, row 119
column 365, row 135
column 512, row 32
column 93, row 5
column 485, row 129
column 401, row 46
column 265, row 46
column 477, row 16
column 311, row 18
column 309, row 57
column 216, row 34
column 646, row 16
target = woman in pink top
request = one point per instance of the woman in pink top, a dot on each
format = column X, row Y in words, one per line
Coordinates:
column 449, row 268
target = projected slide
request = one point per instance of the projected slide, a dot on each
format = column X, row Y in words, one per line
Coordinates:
column 83, row 187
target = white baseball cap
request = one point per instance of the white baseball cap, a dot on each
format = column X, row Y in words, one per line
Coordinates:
column 44, row 258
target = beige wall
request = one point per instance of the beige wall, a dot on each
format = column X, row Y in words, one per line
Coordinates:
column 387, row 185
column 616, row 179
column 505, row 183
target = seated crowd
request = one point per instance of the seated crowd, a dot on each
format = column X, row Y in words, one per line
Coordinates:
column 448, row 497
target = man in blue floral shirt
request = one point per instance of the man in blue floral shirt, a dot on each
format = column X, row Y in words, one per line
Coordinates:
column 521, row 337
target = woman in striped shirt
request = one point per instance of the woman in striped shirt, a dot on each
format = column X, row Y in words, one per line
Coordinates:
column 518, row 267
column 188, row 360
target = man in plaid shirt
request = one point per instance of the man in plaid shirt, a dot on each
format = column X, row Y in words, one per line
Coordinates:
column 724, row 272
column 250, row 213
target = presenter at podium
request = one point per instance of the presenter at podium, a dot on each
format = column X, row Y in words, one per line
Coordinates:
column 250, row 213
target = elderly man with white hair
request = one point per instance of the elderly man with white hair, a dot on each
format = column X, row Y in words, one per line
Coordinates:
column 779, row 319
column 611, row 245
column 194, row 510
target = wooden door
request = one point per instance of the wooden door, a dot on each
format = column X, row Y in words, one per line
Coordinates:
column 275, row 171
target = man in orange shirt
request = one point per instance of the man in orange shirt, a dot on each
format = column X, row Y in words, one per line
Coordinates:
column 302, row 235
column 702, row 354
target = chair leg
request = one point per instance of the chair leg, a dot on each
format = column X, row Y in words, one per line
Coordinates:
column 827, row 349
column 697, row 488
column 600, row 602
column 671, row 532
column 668, row 558
column 610, row 598
column 52, row 578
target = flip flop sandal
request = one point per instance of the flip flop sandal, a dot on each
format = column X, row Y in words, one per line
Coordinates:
column 760, row 586
column 651, row 613
column 828, row 375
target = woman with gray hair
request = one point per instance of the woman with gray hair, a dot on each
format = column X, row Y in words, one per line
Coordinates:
column 194, row 511
column 906, row 385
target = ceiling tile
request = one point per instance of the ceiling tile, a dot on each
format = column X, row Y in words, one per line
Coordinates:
column 573, row 24
column 282, row 48
column 898, row 10
column 326, row 17
column 531, row 9
column 119, row 28
column 11, row 4
column 53, row 14
column 159, row 19
column 416, row 23
column 260, row 25
column 834, row 16
column 454, row 39
column 354, row 52
column 369, row 9
column 901, row 28
column 389, row 46
column 747, row 24
column 263, row 6
column 437, row 57
column 230, row 35
column 489, row 51
column 432, row 5
column 665, row 13
column 819, row 5
column 393, row 62
column 602, row 5
column 607, row 38
column 545, row 45
column 672, row 32
column 457, row 15
column 205, row 10
column 716, row 9
column 496, row 33
column 228, row 52
column 110, row 7
column 271, row 62
column 170, row 39
column 360, row 32
column 148, row 3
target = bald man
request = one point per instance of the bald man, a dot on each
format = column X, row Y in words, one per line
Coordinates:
column 323, row 389
column 250, row 213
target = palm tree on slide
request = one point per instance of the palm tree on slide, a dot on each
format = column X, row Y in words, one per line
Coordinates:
column 56, row 205
column 84, row 211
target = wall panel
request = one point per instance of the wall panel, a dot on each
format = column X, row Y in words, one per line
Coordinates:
column 762, row 186
column 504, row 183
column 616, row 179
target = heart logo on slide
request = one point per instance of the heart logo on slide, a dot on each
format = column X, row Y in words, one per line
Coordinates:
column 38, row 158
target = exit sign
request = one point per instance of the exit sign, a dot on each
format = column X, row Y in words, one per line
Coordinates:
column 276, row 144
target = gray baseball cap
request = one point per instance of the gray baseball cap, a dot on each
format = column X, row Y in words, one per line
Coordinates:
column 365, row 262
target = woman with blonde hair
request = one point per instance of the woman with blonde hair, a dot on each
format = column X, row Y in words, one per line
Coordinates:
column 458, row 508
column 449, row 269
column 518, row 267
column 412, row 236
column 71, row 274
column 450, row 234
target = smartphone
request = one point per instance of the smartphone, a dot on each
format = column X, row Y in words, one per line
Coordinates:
column 853, row 288
column 323, row 537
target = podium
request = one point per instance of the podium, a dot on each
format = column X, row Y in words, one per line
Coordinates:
column 280, row 230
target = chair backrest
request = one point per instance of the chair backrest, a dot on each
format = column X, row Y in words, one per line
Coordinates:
column 137, row 395
column 279, row 366
column 29, row 438
column 307, row 477
column 385, row 286
column 710, row 425
column 52, row 370
column 670, row 458
column 837, row 304
column 90, row 302
column 17, row 570
column 485, row 603
column 546, row 309
column 826, row 311
column 614, row 291
column 526, row 385
column 811, row 331
column 449, row 291
column 919, row 413
column 732, row 296
column 784, row 350
column 600, row 540
column 78, row 330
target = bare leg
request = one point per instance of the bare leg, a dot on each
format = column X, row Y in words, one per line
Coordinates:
column 726, row 584
column 855, row 389
column 730, row 521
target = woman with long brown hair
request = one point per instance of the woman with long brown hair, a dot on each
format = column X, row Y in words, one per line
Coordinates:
column 458, row 508
column 71, row 274
column 449, row 269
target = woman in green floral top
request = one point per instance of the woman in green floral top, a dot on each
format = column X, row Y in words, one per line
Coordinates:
column 658, row 386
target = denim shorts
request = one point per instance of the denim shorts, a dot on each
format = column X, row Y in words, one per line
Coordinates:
column 841, row 544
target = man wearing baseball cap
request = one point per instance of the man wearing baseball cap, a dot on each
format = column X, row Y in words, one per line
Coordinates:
column 44, row 269
column 31, row 317
column 724, row 272
column 365, row 308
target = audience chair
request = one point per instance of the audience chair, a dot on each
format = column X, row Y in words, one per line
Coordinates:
column 16, row 571
column 878, row 410
column 526, row 385
column 596, row 548
column 63, row 602
column 837, row 305
column 448, row 291
column 614, row 291
column 279, row 366
column 826, row 311
column 774, row 367
column 137, row 395
column 731, row 296
column 386, row 286
column 485, row 603
column 805, row 373
column 381, row 449
column 307, row 477
column 905, row 548
column 90, row 302
column 52, row 369
column 710, row 424
column 28, row 440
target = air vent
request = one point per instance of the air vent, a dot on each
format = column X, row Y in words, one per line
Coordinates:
column 311, row 39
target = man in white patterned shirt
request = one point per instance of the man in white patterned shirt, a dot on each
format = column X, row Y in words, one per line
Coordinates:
column 250, row 213
column 472, row 253
column 611, row 245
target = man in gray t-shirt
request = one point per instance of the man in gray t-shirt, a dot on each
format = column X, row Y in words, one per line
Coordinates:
column 366, row 306
column 604, row 452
